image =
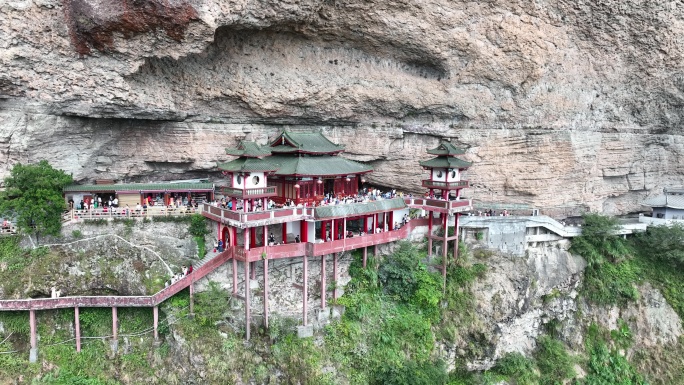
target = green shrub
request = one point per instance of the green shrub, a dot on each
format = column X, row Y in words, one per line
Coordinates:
column 518, row 369
column 554, row 362
column 606, row 365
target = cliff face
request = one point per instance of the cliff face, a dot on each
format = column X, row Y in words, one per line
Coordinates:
column 563, row 105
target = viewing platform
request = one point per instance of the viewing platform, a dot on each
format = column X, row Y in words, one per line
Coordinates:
column 435, row 184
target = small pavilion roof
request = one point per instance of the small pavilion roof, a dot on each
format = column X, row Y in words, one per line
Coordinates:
column 244, row 164
column 323, row 165
column 446, row 148
column 445, row 162
column 92, row 188
column 304, row 142
column 248, row 150
column 666, row 200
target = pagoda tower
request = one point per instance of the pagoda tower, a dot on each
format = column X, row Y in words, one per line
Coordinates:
column 444, row 195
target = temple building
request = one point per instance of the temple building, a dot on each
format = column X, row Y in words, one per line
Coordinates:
column 297, row 197
column 669, row 205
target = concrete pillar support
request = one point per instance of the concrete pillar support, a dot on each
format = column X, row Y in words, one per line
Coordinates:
column 266, row 292
column 335, row 275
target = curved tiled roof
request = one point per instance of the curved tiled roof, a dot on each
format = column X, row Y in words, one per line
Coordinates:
column 445, row 162
column 446, row 148
column 304, row 142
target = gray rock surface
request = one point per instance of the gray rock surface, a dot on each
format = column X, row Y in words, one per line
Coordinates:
column 564, row 105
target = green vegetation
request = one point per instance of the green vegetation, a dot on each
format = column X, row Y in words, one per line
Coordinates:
column 611, row 274
column 606, row 364
column 554, row 362
column 198, row 229
column 385, row 335
column 33, row 198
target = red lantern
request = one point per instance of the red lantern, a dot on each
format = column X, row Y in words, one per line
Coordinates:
column 363, row 180
column 319, row 181
column 297, row 186
column 348, row 179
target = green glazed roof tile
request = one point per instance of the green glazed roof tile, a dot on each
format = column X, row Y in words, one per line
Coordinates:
column 445, row 162
column 306, row 142
column 140, row 187
column 446, row 148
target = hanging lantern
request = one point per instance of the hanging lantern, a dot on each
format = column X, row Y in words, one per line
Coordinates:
column 348, row 179
column 297, row 186
column 363, row 180
column 319, row 181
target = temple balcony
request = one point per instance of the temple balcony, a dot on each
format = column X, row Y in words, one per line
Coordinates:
column 241, row 219
column 315, row 249
column 440, row 205
column 250, row 193
column 435, row 184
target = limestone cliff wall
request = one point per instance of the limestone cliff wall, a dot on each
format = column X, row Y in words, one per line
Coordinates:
column 566, row 105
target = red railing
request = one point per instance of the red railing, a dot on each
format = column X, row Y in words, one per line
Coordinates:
column 250, row 193
column 118, row 301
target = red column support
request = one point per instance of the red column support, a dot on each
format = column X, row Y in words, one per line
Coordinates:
column 265, row 231
column 253, row 237
column 324, row 229
column 445, row 247
column 77, row 329
column 192, row 298
column 303, row 231
column 284, row 232
column 32, row 326
column 234, row 275
column 335, row 274
column 365, row 224
column 155, row 322
column 248, row 314
column 115, row 324
column 266, row 292
column 305, row 289
column 323, row 288
column 365, row 256
column 430, row 234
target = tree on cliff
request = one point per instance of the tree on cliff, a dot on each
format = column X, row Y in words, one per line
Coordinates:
column 33, row 198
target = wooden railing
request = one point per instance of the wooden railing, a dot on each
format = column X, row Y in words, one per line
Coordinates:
column 218, row 213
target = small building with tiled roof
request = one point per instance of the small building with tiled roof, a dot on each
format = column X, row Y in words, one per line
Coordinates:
column 669, row 205
column 445, row 170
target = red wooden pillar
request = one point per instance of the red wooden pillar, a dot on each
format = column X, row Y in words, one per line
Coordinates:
column 304, row 231
column 391, row 221
column 115, row 324
column 234, row 205
column 252, row 241
column 324, row 229
column 234, row 275
column 430, row 234
column 445, row 247
column 323, row 288
column 192, row 298
column 77, row 329
column 266, row 292
column 32, row 326
column 248, row 315
column 365, row 223
column 266, row 277
column 335, row 274
column 155, row 320
column 305, row 289
column 284, row 232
